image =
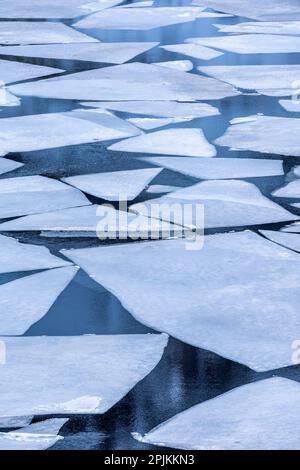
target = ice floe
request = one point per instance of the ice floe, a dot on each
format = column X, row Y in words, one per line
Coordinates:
column 114, row 186
column 79, row 374
column 8, row 165
column 262, row 27
column 193, row 50
column 153, row 123
column 265, row 134
column 109, row 53
column 292, row 228
column 237, row 296
column 39, row 33
column 224, row 203
column 219, row 168
column 292, row 189
column 25, row 301
column 17, row 256
column 180, row 141
column 182, row 65
column 15, row 422
column 288, row 240
column 51, row 130
column 134, row 81
column 11, row 71
column 161, row 188
column 37, row 436
column 292, row 106
column 33, row 194
column 258, row 416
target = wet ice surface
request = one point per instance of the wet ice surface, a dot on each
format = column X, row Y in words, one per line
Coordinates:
column 186, row 375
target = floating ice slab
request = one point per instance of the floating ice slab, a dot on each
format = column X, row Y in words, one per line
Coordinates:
column 274, row 80
column 135, row 81
column 7, row 99
column 147, row 3
column 15, row 422
column 292, row 189
column 161, row 188
column 17, row 256
column 37, row 436
column 33, row 194
column 109, row 53
column 158, row 108
column 262, row 27
column 16, row 71
column 224, row 203
column 193, row 50
column 25, row 301
column 44, row 131
column 154, row 123
column 52, row 8
column 293, row 228
column 39, row 33
column 266, row 134
column 252, row 43
column 79, row 374
column 185, row 141
column 292, row 106
column 182, row 65
column 219, row 168
column 257, row 416
column 237, row 296
column 269, row 10
column 115, row 186
column 288, row 240
column 8, row 165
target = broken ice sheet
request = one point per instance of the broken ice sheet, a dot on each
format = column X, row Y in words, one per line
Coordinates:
column 193, row 50
column 251, row 43
column 183, row 65
column 224, row 203
column 114, row 186
column 292, row 106
column 109, row 53
column 274, row 80
column 158, row 108
column 237, row 295
column 33, row 194
column 219, row 168
column 153, row 123
column 134, row 81
column 25, row 301
column 262, row 27
column 39, row 33
column 185, row 141
column 265, row 134
column 97, row 372
column 44, row 131
column 37, row 436
column 288, row 240
column 258, row 416
column 11, row 71
column 8, row 165
column 15, row 256
column 15, row 422
column 292, row 189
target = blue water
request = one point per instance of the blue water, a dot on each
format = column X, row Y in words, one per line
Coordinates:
column 186, row 375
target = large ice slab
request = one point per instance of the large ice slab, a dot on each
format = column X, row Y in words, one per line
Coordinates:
column 265, row 134
column 37, row 436
column 274, row 80
column 33, row 194
column 8, row 165
column 44, row 131
column 292, row 189
column 180, row 141
column 237, row 296
column 219, row 168
column 252, row 43
column 148, row 123
column 258, row 416
column 288, row 240
column 25, row 301
column 39, row 33
column 262, row 27
column 158, row 108
column 134, row 81
column 15, row 256
column 79, row 374
column 109, row 53
column 115, row 186
column 11, row 71
column 269, row 10
column 52, row 8
column 225, row 203
column 193, row 50
column 182, row 65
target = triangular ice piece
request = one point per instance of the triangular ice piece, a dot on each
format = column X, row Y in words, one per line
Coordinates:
column 193, row 50
column 8, row 165
column 11, row 71
column 292, row 190
column 288, row 240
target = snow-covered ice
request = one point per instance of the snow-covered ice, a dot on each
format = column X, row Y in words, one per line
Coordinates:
column 148, row 124
column 11, row 71
column 292, row 189
column 193, row 50
column 288, row 240
column 262, row 27
column 182, row 65
column 7, row 98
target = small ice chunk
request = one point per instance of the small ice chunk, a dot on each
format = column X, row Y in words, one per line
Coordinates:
column 114, row 186
column 180, row 141
column 182, row 65
column 25, row 301
column 236, row 295
column 11, row 71
column 161, row 188
column 146, row 3
column 288, row 240
column 33, row 194
column 6, row 98
column 148, row 124
column 258, row 416
column 193, row 50
column 17, row 256
column 219, row 168
column 262, row 27
column 292, row 106
column 292, row 228
column 85, row 374
column 292, row 189
column 8, row 165
column 265, row 134
column 15, row 422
